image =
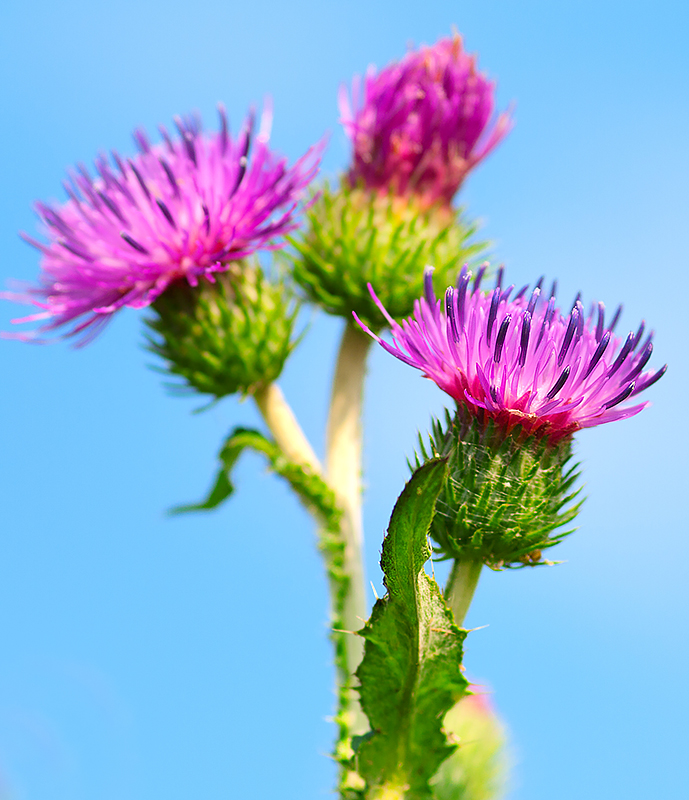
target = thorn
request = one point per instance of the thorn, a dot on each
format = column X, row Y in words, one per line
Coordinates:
column 375, row 593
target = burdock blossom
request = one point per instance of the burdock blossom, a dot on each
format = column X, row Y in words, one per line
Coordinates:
column 178, row 211
column 422, row 123
column 520, row 360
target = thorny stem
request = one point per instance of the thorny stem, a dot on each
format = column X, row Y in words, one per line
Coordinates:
column 461, row 586
column 343, row 471
column 334, row 543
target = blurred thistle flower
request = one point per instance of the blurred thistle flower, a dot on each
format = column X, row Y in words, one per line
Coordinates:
column 178, row 211
column 520, row 361
column 480, row 766
column 422, row 124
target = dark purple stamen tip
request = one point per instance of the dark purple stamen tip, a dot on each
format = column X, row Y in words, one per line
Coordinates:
column 650, row 381
column 450, row 312
column 240, row 175
column 623, row 395
column 493, row 313
column 162, row 130
column 534, row 299
column 141, row 181
column 206, row 219
column 624, row 352
column 506, row 294
column 498, row 279
column 615, row 318
column 462, row 284
column 577, row 299
column 500, row 338
column 166, row 213
column 188, row 140
column 639, row 334
column 580, row 320
column 520, row 293
column 223, row 128
column 569, row 335
column 141, row 141
column 600, row 325
column 479, row 277
column 596, row 357
column 133, row 243
column 76, row 251
column 524, row 341
column 539, row 283
column 428, row 287
column 643, row 357
column 170, row 176
column 559, row 383
column 553, row 289
column 118, row 163
column 112, row 206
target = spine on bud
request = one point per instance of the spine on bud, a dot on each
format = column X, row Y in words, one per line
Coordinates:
column 228, row 336
column 507, row 495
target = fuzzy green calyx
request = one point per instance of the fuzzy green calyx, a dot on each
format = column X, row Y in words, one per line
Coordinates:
column 354, row 237
column 225, row 337
column 506, row 496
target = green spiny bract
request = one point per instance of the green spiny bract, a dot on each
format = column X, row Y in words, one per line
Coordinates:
column 354, row 237
column 506, row 496
column 229, row 336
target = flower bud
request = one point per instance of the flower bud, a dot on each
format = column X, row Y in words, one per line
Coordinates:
column 507, row 494
column 227, row 336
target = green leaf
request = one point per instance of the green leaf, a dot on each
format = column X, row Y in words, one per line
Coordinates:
column 311, row 489
column 411, row 673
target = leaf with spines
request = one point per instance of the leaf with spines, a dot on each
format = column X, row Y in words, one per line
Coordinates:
column 411, row 673
column 319, row 500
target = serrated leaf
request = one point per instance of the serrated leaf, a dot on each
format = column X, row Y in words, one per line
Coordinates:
column 411, row 672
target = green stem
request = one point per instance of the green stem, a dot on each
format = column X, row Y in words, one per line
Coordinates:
column 343, row 471
column 461, row 586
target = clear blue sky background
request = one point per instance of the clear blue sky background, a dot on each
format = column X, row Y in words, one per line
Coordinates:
column 147, row 657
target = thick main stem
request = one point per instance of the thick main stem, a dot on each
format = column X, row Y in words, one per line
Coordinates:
column 343, row 471
column 284, row 426
column 461, row 586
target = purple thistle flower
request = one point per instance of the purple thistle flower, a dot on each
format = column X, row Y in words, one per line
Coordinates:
column 422, row 124
column 181, row 210
column 521, row 361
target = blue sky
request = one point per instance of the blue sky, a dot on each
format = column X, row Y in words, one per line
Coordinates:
column 152, row 657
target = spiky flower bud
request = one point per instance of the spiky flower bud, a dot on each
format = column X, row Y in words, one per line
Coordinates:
column 417, row 129
column 524, row 377
column 507, row 496
column 420, row 125
column 228, row 336
column 354, row 237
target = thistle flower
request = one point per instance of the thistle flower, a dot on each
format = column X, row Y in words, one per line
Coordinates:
column 520, row 361
column 423, row 123
column 178, row 211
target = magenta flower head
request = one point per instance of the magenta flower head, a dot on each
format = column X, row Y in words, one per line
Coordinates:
column 525, row 377
column 182, row 210
column 422, row 124
column 520, row 361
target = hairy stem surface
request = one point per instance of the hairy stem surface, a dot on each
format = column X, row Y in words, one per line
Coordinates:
column 461, row 586
column 343, row 471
